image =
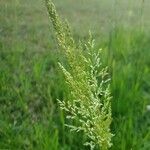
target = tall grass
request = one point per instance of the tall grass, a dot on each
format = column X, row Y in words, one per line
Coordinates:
column 30, row 81
column 89, row 102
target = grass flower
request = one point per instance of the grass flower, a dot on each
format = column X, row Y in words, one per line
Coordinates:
column 90, row 98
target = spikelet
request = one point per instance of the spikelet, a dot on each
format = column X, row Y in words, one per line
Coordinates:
column 90, row 102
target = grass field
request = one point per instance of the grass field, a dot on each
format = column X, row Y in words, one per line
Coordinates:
column 30, row 80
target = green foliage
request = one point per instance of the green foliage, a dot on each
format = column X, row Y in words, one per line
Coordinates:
column 89, row 102
column 31, row 81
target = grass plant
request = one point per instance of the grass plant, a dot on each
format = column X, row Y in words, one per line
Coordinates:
column 31, row 83
column 89, row 102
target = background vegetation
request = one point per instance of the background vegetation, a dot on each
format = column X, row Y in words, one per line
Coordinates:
column 30, row 81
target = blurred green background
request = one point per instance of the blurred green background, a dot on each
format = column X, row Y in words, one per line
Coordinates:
column 31, row 82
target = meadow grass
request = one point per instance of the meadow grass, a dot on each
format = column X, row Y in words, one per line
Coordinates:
column 30, row 81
